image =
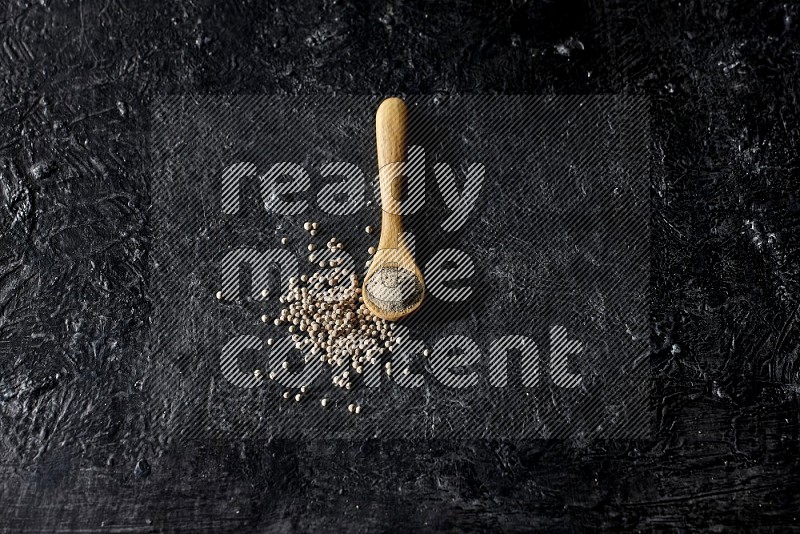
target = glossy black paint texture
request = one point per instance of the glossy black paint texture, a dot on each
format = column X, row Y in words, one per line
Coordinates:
column 77, row 451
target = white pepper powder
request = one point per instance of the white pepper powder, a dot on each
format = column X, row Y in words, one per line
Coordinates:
column 394, row 288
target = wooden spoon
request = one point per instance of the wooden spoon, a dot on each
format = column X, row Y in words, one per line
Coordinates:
column 393, row 286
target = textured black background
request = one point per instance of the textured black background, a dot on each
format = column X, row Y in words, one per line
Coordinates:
column 77, row 78
column 559, row 235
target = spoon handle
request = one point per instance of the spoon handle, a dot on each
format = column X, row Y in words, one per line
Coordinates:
column 391, row 126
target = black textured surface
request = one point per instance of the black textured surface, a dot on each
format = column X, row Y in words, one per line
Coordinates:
column 77, row 79
column 558, row 237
